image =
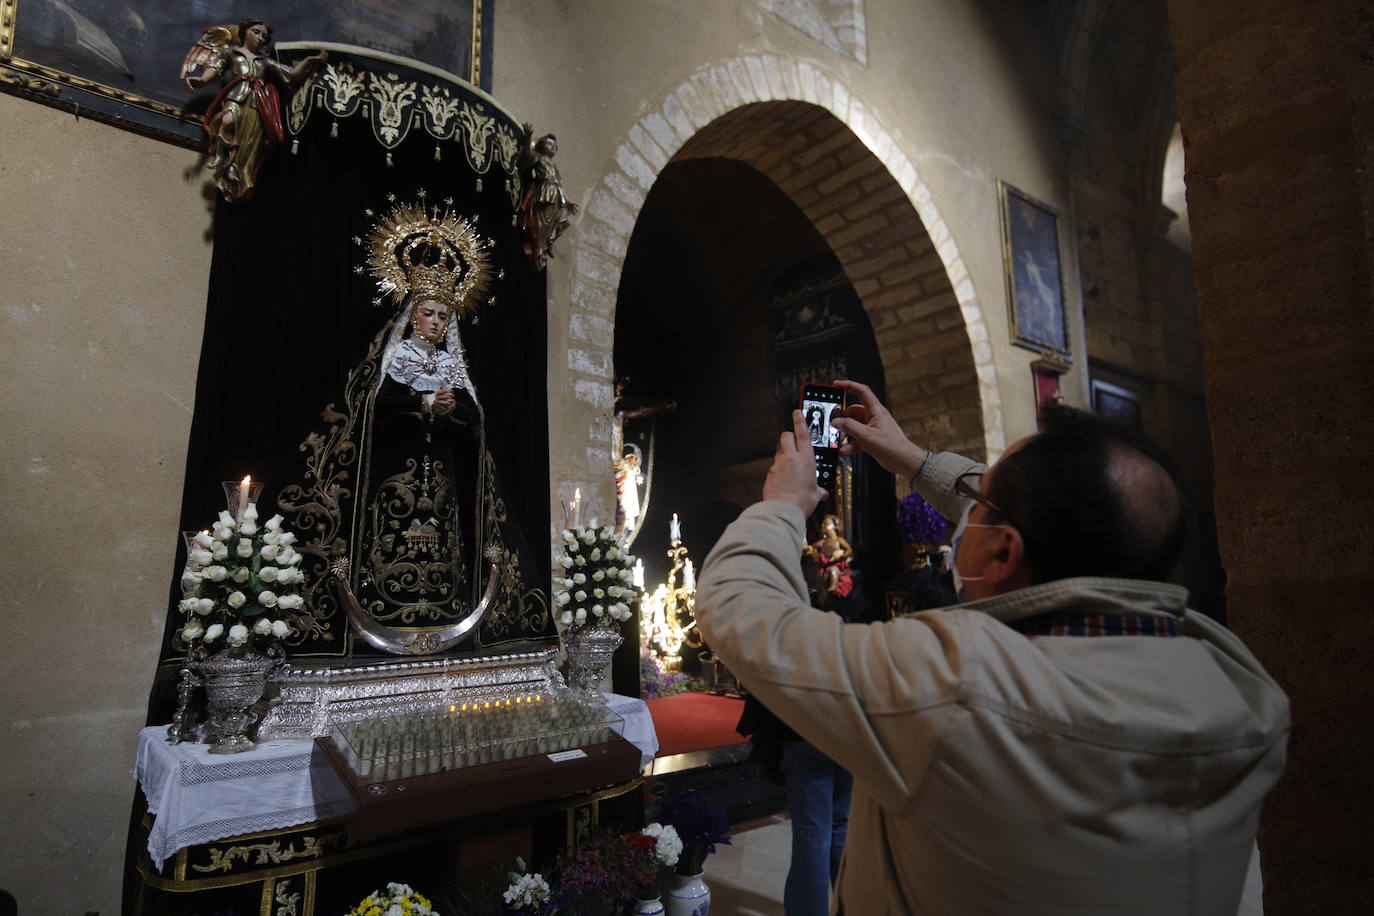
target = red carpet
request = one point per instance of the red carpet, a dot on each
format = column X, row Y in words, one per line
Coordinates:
column 694, row 721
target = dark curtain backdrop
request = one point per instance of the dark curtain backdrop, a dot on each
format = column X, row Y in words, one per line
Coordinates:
column 287, row 317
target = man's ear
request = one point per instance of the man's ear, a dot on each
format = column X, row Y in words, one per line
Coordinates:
column 1007, row 569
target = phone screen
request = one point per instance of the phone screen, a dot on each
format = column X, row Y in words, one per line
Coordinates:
column 820, row 406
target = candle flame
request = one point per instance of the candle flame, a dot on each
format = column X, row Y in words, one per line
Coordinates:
column 247, row 479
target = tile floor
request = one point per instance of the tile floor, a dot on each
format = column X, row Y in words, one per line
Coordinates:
column 746, row 877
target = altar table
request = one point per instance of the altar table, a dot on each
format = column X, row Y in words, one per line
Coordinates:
column 195, row 797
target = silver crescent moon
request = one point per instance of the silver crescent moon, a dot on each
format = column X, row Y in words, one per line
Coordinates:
column 402, row 642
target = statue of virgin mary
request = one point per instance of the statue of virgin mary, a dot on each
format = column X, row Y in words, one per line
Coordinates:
column 403, row 500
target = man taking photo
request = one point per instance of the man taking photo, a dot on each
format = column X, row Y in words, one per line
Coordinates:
column 1070, row 739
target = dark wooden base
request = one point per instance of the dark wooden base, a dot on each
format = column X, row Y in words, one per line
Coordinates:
column 392, row 807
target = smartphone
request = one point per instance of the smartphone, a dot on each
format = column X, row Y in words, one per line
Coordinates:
column 820, row 406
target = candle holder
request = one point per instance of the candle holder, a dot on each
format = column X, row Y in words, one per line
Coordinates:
column 234, row 496
column 666, row 615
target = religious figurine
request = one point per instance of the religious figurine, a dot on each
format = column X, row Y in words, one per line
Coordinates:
column 403, row 502
column 629, row 460
column 244, row 122
column 833, row 557
column 815, row 425
column 627, row 481
column 544, row 208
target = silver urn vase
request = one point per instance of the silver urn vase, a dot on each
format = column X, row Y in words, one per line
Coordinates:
column 234, row 682
column 589, row 650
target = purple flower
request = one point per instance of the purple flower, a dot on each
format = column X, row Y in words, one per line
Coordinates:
column 919, row 523
column 699, row 825
column 654, row 682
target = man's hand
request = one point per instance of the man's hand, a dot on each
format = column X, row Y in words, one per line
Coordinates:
column 792, row 478
column 870, row 428
column 444, row 402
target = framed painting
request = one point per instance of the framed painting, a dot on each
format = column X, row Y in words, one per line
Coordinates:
column 119, row 61
column 1116, row 403
column 1035, row 277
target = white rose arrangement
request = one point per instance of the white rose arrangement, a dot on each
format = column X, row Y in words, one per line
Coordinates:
column 240, row 581
column 596, row 586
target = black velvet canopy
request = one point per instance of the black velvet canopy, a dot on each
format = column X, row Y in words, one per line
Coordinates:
column 287, row 317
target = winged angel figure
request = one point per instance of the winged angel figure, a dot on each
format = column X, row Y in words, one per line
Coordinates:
column 244, row 122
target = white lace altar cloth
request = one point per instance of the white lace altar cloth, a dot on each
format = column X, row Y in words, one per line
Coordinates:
column 197, row 797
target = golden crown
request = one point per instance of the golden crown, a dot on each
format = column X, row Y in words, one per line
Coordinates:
column 430, row 253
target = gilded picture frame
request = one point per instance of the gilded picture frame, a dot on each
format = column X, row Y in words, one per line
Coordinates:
column 1034, row 274
column 119, row 61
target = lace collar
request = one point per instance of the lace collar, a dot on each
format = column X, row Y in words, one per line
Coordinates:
column 424, row 367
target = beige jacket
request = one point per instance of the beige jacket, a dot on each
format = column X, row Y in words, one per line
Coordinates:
column 999, row 773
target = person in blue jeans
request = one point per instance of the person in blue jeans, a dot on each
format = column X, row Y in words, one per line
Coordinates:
column 817, row 788
column 818, row 799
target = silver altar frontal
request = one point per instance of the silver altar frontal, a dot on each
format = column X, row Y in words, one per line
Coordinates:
column 305, row 700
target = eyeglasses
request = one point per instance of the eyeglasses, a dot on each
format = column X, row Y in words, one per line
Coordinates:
column 973, row 490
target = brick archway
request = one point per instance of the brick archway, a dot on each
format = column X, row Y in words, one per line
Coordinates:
column 801, row 128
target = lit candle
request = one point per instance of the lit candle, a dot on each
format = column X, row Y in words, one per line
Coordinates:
column 638, row 573
column 577, row 507
column 244, row 489
column 674, row 529
column 689, row 576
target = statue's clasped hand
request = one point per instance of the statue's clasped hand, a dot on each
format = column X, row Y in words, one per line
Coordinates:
column 444, row 402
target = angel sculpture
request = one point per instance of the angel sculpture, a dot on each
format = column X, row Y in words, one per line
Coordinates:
column 244, row 121
column 833, row 556
column 544, row 209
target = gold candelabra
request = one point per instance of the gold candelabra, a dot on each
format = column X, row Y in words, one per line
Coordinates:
column 666, row 621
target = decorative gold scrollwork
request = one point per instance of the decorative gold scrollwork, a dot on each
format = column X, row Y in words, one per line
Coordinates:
column 393, row 98
column 395, row 105
column 273, row 853
column 442, row 108
column 344, row 86
column 288, row 904
column 31, row 83
column 479, row 129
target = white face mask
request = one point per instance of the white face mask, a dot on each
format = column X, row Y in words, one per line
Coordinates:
column 954, row 550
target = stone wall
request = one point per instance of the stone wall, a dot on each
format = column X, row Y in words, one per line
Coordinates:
column 103, row 265
column 1277, row 104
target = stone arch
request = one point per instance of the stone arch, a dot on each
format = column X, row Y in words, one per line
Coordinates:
column 801, row 127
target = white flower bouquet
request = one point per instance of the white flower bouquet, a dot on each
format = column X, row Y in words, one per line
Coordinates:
column 527, row 892
column 596, row 586
column 240, row 582
column 667, row 844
